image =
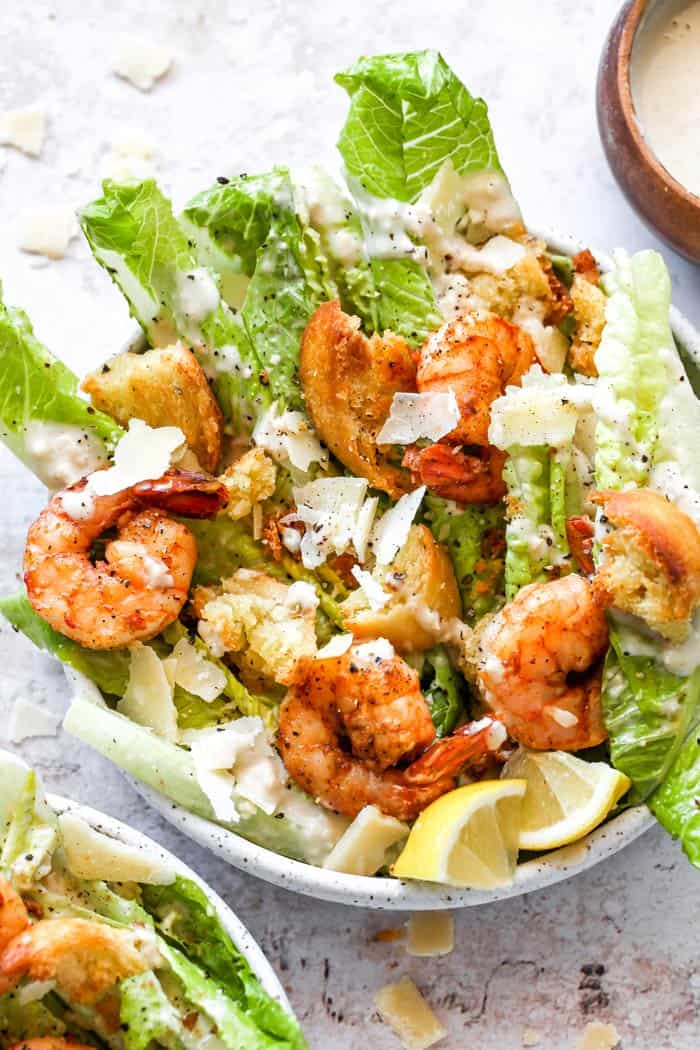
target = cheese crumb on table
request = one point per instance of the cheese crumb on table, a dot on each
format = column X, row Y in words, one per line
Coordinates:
column 131, row 156
column 141, row 63
column 404, row 1009
column 430, row 933
column 530, row 1037
column 24, row 129
column 48, row 232
column 29, row 720
column 598, row 1036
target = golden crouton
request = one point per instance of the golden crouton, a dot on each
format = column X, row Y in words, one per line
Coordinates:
column 589, row 312
column 248, row 481
column 651, row 563
column 262, row 623
column 164, row 387
column 348, row 382
column 530, row 282
column 424, row 596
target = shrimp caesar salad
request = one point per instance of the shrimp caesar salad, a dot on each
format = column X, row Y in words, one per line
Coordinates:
column 103, row 944
column 381, row 547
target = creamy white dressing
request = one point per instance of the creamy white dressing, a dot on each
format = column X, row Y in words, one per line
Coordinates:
column 197, row 298
column 665, row 79
column 62, row 453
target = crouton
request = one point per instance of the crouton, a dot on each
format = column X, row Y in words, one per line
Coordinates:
column 248, row 481
column 263, row 624
column 589, row 313
column 164, row 387
column 424, row 593
column 651, row 562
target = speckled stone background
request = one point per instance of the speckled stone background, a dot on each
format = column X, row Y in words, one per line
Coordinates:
column 251, row 85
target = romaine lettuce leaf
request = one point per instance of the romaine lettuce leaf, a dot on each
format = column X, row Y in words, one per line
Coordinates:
column 184, row 915
column 676, row 803
column 133, row 233
column 536, row 529
column 147, row 1016
column 648, row 712
column 631, row 368
column 30, row 837
column 408, row 114
column 475, row 538
column 444, row 690
column 35, row 387
column 20, row 1021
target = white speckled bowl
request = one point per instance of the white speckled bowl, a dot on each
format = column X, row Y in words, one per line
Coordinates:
column 394, row 894
column 240, row 936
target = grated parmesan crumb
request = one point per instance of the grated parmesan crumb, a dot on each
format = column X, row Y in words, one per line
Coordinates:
column 430, row 933
column 404, row 1009
column 598, row 1036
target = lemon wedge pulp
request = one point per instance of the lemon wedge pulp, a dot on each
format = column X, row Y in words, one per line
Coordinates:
column 467, row 838
column 566, row 797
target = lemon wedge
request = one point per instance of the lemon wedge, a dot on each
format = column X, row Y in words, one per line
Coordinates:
column 566, row 797
column 466, row 838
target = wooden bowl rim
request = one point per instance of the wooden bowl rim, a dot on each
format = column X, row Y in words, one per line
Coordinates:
column 632, row 21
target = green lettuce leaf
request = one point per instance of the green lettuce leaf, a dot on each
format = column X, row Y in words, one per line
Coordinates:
column 19, row 1021
column 444, row 690
column 676, row 803
column 475, row 538
column 409, row 113
column 147, row 1016
column 631, row 368
column 184, row 915
column 648, row 712
column 536, row 529
column 133, row 233
column 37, row 388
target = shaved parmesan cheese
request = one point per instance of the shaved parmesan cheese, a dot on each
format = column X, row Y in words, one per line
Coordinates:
column 330, row 509
column 143, row 454
column 237, row 756
column 302, row 596
column 195, row 673
column 148, row 698
column 29, row 720
column 289, row 438
column 373, row 652
column 551, row 345
column 141, row 63
column 500, row 254
column 372, row 590
column 530, row 1037
column 30, row 993
column 92, row 855
column 24, row 129
column 391, row 531
column 48, row 232
column 414, row 416
column 363, row 526
column 544, row 410
column 131, row 156
column 404, row 1009
column 561, row 716
column 598, row 1036
column 339, row 644
column 362, row 849
column 430, row 933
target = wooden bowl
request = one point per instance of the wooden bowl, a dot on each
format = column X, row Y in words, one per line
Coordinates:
column 664, row 204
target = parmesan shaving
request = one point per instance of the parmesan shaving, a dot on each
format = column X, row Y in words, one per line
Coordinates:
column 131, row 156
column 561, row 716
column 28, row 720
column 196, row 674
column 148, row 698
column 330, row 508
column 373, row 652
column 530, row 1037
column 414, row 416
column 373, row 591
column 47, row 232
column 598, row 1036
column 339, row 644
column 362, row 849
column 391, row 531
column 404, row 1009
column 289, row 438
column 544, row 410
column 141, row 63
column 24, row 129
column 430, row 933
column 144, row 453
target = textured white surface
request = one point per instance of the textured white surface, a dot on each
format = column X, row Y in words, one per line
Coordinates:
column 251, row 84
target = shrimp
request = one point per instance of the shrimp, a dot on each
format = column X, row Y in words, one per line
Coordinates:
column 475, row 357
column 13, row 913
column 348, row 721
column 142, row 584
column 50, row 1042
column 539, row 665
column 85, row 958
